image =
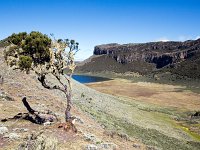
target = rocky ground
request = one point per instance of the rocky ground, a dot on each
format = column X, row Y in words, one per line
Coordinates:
column 103, row 121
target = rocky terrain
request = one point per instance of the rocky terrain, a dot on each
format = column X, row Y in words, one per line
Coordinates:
column 146, row 58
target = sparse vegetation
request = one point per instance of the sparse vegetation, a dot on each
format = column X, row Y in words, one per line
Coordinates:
column 25, row 63
column 148, row 136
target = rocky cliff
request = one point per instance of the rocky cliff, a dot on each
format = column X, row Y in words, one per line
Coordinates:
column 159, row 53
column 181, row 58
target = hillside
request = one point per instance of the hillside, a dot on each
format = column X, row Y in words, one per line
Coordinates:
column 178, row 57
column 21, row 133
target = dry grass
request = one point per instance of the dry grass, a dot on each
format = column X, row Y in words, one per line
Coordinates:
column 159, row 94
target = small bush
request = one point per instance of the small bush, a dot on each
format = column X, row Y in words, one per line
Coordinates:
column 25, row 63
column 10, row 51
column 17, row 38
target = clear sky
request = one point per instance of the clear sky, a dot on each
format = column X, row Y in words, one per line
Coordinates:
column 93, row 22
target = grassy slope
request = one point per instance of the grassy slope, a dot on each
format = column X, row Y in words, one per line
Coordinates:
column 158, row 117
column 153, row 125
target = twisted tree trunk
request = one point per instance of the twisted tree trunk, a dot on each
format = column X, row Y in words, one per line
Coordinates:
column 69, row 101
column 33, row 115
column 67, row 90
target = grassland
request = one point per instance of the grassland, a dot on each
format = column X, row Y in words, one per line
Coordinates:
column 153, row 113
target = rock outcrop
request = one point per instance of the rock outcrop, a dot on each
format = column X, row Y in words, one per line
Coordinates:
column 159, row 53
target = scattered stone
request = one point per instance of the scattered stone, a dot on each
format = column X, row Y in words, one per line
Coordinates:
column 12, row 136
column 110, row 146
column 79, row 120
column 80, row 131
column 89, row 137
column 91, row 147
column 5, row 96
column 103, row 126
column 136, row 146
column 39, row 142
column 151, row 148
column 47, row 123
column 20, row 129
column 124, row 136
column 110, row 133
column 3, row 130
column 20, row 95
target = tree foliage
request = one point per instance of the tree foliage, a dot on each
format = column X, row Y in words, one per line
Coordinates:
column 36, row 45
column 17, row 38
column 25, row 63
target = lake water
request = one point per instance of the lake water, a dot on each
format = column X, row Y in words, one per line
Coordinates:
column 88, row 79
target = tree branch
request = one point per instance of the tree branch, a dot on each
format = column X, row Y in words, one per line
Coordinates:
column 44, row 84
column 28, row 107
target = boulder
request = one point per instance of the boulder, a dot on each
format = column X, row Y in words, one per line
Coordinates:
column 3, row 130
column 91, row 147
column 12, row 136
column 136, row 146
column 5, row 96
column 108, row 146
column 20, row 130
column 89, row 137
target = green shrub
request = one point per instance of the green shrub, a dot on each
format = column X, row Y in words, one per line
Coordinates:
column 17, row 38
column 25, row 63
column 10, row 51
column 36, row 45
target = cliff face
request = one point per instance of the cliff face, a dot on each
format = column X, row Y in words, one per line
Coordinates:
column 182, row 58
column 159, row 53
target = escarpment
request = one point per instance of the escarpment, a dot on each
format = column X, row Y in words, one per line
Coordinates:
column 159, row 53
column 181, row 58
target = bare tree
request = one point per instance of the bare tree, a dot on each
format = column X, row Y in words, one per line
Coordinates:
column 62, row 54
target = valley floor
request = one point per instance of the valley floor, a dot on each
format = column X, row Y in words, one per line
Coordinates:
column 159, row 94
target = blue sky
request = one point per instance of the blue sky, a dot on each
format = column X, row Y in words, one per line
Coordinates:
column 93, row 22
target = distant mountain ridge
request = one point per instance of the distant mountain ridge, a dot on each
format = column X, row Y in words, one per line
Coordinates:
column 144, row 57
column 159, row 53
